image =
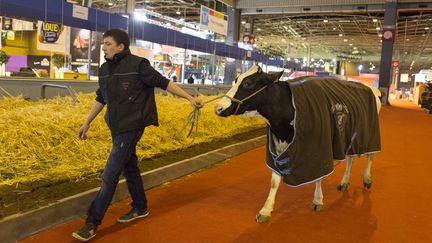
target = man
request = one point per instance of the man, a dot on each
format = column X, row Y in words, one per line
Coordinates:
column 126, row 86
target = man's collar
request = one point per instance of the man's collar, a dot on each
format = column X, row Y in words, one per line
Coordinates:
column 117, row 57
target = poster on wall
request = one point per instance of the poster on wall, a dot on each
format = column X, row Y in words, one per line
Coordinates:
column 7, row 23
column 40, row 63
column 80, row 45
column 51, row 36
column 213, row 20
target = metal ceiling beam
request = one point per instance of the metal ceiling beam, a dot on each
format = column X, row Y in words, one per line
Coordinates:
column 315, row 9
column 357, row 8
column 248, row 4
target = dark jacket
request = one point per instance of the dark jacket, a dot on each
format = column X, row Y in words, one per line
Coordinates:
column 126, row 85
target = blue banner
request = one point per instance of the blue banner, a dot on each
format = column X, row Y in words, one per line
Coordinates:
column 61, row 12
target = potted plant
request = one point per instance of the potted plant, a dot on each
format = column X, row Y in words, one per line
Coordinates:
column 4, row 58
column 58, row 60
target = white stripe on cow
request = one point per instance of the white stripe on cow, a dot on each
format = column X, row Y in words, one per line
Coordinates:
column 226, row 102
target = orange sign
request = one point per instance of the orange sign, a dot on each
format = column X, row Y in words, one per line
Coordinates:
column 395, row 64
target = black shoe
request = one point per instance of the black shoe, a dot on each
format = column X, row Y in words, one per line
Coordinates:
column 86, row 232
column 133, row 214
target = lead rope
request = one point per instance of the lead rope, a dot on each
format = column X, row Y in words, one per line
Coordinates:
column 193, row 119
column 194, row 115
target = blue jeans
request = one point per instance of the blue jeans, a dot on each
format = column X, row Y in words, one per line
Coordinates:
column 122, row 159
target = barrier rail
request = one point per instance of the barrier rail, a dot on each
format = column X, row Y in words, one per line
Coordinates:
column 60, row 86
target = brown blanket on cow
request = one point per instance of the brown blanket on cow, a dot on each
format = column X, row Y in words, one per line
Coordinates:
column 333, row 118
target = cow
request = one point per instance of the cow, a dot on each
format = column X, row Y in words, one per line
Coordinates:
column 311, row 122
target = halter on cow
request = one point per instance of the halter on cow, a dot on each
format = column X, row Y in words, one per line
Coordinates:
column 311, row 121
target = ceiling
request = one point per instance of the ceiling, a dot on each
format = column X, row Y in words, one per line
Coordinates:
column 334, row 33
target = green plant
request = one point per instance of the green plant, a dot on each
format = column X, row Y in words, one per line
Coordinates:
column 58, row 60
column 4, row 58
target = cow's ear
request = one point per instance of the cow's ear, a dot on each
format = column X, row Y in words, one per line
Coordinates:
column 276, row 76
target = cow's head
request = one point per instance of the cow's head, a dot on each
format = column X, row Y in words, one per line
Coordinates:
column 245, row 93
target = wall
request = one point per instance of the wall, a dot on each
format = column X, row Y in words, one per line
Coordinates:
column 19, row 46
column 350, row 68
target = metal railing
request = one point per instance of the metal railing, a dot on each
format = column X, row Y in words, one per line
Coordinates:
column 60, row 86
column 3, row 92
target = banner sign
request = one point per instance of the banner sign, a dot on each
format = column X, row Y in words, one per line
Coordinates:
column 213, row 20
column 7, row 23
column 79, row 12
column 51, row 36
column 80, row 46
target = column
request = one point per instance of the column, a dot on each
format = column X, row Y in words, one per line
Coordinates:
column 232, row 38
column 388, row 32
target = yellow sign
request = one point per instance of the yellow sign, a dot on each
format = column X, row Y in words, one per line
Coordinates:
column 11, row 35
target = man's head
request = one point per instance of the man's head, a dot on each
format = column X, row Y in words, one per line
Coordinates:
column 114, row 41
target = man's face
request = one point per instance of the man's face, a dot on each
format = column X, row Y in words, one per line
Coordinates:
column 110, row 47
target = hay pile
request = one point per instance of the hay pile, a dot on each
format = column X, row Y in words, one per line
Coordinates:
column 38, row 140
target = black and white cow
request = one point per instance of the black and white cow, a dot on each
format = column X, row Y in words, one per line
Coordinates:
column 311, row 121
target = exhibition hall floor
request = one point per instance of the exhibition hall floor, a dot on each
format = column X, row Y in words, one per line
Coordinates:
column 219, row 204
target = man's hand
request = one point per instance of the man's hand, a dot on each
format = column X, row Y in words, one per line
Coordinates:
column 197, row 103
column 82, row 131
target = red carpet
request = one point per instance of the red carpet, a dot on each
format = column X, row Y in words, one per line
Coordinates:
column 219, row 204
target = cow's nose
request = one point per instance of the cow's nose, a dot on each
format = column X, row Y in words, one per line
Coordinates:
column 218, row 109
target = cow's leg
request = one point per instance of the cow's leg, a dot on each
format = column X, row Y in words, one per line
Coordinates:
column 367, row 178
column 343, row 186
column 265, row 212
column 317, row 203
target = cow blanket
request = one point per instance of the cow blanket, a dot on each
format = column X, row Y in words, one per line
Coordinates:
column 333, row 118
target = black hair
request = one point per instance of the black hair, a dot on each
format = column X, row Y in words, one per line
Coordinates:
column 119, row 36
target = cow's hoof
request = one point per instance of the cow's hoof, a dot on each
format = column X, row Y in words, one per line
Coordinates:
column 367, row 184
column 316, row 207
column 262, row 218
column 343, row 187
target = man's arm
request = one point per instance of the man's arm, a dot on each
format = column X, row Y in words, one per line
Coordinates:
column 176, row 90
column 94, row 111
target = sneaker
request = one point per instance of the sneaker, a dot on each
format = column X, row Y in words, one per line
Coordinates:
column 133, row 214
column 86, row 232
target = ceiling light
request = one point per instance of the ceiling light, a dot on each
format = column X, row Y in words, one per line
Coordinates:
column 374, row 20
column 350, row 44
column 334, row 28
column 282, row 39
column 380, row 35
column 426, row 28
column 340, row 34
column 259, row 29
column 345, row 40
column 325, row 20
column 243, row 22
column 110, row 4
column 377, row 28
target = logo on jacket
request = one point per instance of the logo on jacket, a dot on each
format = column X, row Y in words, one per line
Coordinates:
column 125, row 86
column 340, row 112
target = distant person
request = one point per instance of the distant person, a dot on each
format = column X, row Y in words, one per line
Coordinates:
column 190, row 80
column 126, row 86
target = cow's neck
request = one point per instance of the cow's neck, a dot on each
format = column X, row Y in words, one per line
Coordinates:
column 278, row 110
